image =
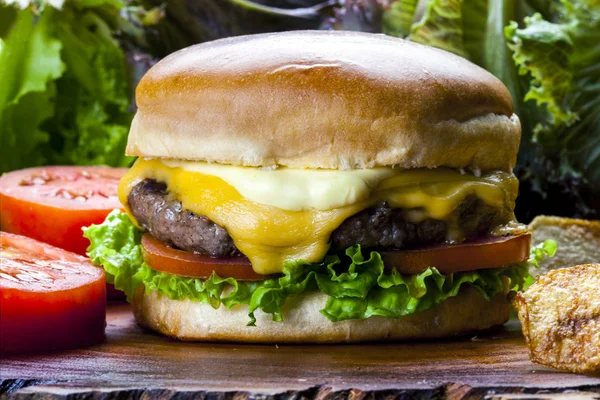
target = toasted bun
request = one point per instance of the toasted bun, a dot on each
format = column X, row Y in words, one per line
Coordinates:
column 315, row 99
column 303, row 323
column 578, row 241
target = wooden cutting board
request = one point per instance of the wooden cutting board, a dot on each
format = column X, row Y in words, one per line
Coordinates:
column 139, row 364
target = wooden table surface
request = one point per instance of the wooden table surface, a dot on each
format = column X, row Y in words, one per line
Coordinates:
column 136, row 363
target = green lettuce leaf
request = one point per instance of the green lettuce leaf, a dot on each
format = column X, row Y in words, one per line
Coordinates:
column 397, row 20
column 537, row 254
column 441, row 26
column 541, row 251
column 558, row 54
column 30, row 63
column 356, row 283
column 92, row 120
column 66, row 90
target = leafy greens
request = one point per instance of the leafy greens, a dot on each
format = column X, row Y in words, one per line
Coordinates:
column 29, row 66
column 561, row 59
column 356, row 284
column 66, row 89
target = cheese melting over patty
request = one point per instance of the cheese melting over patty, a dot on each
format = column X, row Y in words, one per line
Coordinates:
column 280, row 215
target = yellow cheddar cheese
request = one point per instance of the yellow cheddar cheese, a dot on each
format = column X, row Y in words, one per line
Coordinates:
column 270, row 226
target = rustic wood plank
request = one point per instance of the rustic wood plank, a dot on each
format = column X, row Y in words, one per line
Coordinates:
column 450, row 391
column 549, row 396
column 135, row 363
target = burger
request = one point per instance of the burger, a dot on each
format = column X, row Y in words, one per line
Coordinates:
column 317, row 186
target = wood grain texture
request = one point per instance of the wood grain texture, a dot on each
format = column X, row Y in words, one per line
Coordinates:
column 138, row 364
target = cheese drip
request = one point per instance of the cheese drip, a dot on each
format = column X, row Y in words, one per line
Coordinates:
column 270, row 235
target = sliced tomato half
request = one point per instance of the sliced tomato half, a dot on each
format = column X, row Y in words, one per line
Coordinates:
column 52, row 204
column 50, row 299
column 479, row 254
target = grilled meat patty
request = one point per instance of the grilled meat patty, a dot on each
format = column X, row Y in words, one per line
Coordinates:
column 380, row 227
column 165, row 219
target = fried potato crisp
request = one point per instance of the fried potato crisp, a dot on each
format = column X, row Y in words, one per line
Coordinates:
column 560, row 315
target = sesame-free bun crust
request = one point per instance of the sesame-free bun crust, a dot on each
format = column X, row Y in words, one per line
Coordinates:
column 317, row 99
column 465, row 313
column 578, row 241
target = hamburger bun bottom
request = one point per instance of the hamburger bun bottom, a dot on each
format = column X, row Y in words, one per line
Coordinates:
column 465, row 313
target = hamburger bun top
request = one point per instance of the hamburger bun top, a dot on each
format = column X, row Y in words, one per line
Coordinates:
column 319, row 99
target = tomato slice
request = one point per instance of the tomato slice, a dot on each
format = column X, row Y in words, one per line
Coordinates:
column 491, row 252
column 184, row 263
column 50, row 299
column 52, row 204
column 479, row 254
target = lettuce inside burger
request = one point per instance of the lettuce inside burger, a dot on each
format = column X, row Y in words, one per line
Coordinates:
column 317, row 187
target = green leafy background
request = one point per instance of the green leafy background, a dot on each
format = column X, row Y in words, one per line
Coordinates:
column 65, row 92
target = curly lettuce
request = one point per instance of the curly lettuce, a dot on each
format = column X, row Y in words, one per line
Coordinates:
column 66, row 90
column 541, row 251
column 356, row 283
column 559, row 55
column 92, row 119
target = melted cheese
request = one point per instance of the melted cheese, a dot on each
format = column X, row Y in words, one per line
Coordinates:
column 274, row 228
column 294, row 189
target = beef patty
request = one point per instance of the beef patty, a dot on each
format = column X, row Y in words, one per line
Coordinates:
column 380, row 227
column 166, row 220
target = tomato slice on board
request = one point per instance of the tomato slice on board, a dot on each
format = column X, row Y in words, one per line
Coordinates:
column 490, row 252
column 479, row 254
column 184, row 263
column 52, row 204
column 50, row 299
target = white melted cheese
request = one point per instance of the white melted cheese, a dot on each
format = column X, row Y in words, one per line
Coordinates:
column 294, row 189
